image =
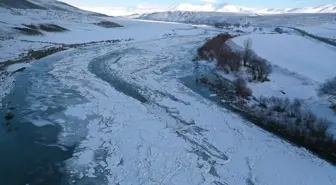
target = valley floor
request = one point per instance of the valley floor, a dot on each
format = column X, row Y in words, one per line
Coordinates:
column 130, row 119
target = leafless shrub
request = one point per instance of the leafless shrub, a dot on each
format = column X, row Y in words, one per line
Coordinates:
column 260, row 69
column 320, row 128
column 263, row 102
column 221, row 25
column 333, row 107
column 241, row 88
column 328, row 88
column 278, row 30
column 288, row 117
column 213, row 47
column 294, row 110
column 248, row 53
column 279, row 104
column 309, row 119
column 229, row 58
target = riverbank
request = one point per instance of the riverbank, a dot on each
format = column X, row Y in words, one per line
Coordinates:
column 272, row 102
column 221, row 91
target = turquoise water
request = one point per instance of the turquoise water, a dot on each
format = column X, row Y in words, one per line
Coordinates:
column 30, row 154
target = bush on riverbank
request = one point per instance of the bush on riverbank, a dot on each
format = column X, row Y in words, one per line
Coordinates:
column 260, row 69
column 290, row 119
column 281, row 116
column 241, row 88
column 213, row 48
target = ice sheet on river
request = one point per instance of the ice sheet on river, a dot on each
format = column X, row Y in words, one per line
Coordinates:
column 163, row 133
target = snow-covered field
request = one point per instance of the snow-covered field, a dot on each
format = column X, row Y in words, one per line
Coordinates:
column 81, row 30
column 135, row 122
column 176, row 137
column 292, row 52
column 13, row 44
column 327, row 30
column 300, row 65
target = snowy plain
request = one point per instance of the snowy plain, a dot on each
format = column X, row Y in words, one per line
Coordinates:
column 292, row 52
column 300, row 66
column 178, row 137
column 137, row 123
column 327, row 30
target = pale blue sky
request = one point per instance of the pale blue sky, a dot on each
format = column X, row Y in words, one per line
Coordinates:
column 248, row 3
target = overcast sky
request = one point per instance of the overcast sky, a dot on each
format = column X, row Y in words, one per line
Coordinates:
column 162, row 3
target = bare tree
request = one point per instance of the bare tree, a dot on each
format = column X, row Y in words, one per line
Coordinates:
column 264, row 70
column 247, row 55
column 234, row 61
column 328, row 88
column 229, row 59
column 241, row 88
column 260, row 69
column 213, row 47
column 278, row 30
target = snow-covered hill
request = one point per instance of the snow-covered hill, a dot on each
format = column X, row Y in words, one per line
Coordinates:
column 60, row 6
column 23, row 4
column 22, row 20
column 240, row 9
column 223, row 8
column 191, row 17
column 268, row 20
column 211, row 14
column 211, row 8
column 44, row 4
column 130, row 112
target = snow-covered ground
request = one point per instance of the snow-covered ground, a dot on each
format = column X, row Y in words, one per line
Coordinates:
column 292, row 52
column 135, row 122
column 13, row 44
column 300, row 65
column 266, row 21
column 176, row 136
column 81, row 30
column 327, row 30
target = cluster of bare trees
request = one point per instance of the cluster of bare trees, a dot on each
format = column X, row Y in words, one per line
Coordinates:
column 328, row 88
column 216, row 49
column 213, row 48
column 241, row 88
column 259, row 67
column 289, row 117
column 229, row 60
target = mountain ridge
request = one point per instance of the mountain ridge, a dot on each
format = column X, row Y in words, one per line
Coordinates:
column 46, row 5
column 228, row 8
column 222, row 8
